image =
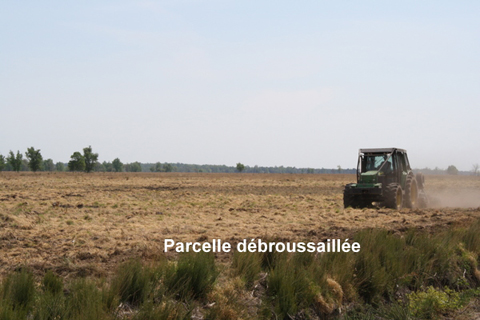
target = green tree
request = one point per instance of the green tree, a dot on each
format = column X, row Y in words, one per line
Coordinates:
column 59, row 166
column 48, row 165
column 15, row 161
column 240, row 167
column 135, row 167
column 158, row 167
column 35, row 159
column 107, row 166
column 167, row 167
column 2, row 162
column 77, row 162
column 117, row 165
column 452, row 170
column 90, row 159
column 100, row 167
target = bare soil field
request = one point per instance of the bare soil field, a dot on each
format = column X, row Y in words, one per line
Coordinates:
column 85, row 224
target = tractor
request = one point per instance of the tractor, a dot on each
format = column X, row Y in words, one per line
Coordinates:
column 385, row 178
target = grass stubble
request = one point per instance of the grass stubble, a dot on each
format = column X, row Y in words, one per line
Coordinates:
column 90, row 246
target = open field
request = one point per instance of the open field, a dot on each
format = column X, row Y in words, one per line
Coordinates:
column 85, row 224
column 82, row 231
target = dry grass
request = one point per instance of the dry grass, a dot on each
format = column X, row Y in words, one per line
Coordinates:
column 85, row 224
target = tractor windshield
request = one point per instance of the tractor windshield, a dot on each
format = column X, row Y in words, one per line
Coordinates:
column 373, row 162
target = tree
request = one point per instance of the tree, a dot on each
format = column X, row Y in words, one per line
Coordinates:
column 48, row 165
column 167, row 167
column 2, row 162
column 117, row 165
column 240, row 167
column 474, row 169
column 100, row 167
column 15, row 161
column 135, row 167
column 452, row 170
column 107, row 166
column 59, row 166
column 158, row 167
column 77, row 162
column 90, row 159
column 35, row 159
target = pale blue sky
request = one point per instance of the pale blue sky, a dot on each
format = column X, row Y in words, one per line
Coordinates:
column 293, row 83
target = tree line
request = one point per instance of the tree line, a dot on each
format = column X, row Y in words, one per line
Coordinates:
column 87, row 161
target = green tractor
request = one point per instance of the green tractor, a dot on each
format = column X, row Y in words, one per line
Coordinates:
column 385, row 178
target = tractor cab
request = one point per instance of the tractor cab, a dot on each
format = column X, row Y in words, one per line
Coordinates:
column 382, row 166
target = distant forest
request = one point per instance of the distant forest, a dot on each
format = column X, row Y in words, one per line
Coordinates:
column 182, row 167
column 176, row 167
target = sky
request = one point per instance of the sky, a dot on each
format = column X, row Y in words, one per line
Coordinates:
column 268, row 83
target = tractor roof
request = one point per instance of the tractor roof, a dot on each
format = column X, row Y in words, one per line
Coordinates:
column 381, row 150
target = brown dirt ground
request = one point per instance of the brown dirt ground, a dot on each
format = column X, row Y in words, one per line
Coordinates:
column 85, row 224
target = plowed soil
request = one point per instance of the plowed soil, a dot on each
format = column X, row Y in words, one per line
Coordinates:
column 85, row 224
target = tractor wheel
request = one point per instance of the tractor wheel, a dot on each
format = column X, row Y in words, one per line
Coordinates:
column 420, row 180
column 411, row 192
column 394, row 196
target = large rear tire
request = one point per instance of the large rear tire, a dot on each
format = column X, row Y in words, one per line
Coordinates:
column 394, row 196
column 411, row 191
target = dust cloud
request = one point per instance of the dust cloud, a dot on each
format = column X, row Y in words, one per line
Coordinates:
column 454, row 198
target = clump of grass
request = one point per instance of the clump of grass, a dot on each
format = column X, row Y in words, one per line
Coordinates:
column 376, row 264
column 132, row 282
column 289, row 287
column 84, row 300
column 52, row 283
column 51, row 304
column 471, row 238
column 18, row 290
column 248, row 265
column 193, row 276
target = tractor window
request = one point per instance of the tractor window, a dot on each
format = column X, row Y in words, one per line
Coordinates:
column 373, row 162
column 401, row 159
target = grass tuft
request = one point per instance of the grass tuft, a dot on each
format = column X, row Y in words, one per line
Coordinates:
column 132, row 282
column 193, row 276
column 19, row 290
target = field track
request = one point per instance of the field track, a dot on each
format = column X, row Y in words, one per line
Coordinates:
column 85, row 224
